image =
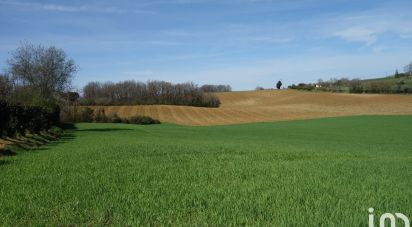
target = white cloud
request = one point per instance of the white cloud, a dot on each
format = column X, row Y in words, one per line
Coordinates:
column 368, row 26
column 71, row 9
column 359, row 34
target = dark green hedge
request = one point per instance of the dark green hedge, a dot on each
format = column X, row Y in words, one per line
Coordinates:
column 19, row 119
column 99, row 116
column 141, row 120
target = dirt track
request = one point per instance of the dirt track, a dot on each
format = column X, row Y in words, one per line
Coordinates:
column 273, row 105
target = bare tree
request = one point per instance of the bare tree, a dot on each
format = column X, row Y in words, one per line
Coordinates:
column 45, row 71
column 408, row 69
column 153, row 92
column 216, row 88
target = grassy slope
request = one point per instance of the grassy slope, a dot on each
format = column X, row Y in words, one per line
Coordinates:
column 392, row 80
column 326, row 171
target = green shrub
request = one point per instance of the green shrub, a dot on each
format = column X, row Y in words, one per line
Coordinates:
column 142, row 120
column 303, row 86
column 18, row 119
column 4, row 114
column 100, row 116
column 86, row 115
column 114, row 119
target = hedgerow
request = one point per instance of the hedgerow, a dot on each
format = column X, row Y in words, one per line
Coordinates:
column 150, row 93
column 19, row 119
column 98, row 115
column 141, row 120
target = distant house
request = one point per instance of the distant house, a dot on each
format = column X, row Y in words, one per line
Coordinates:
column 318, row 86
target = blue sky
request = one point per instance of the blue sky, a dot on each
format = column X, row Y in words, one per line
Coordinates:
column 244, row 43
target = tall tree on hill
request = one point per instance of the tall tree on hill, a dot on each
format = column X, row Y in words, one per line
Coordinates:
column 397, row 74
column 42, row 72
column 279, row 84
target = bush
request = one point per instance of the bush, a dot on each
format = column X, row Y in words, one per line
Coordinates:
column 86, row 115
column 207, row 100
column 303, row 86
column 115, row 119
column 4, row 118
column 142, row 120
column 356, row 86
column 100, row 116
column 18, row 119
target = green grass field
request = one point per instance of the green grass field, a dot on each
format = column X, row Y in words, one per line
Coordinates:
column 392, row 80
column 299, row 173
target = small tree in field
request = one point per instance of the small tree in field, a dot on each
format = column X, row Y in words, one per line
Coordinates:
column 279, row 84
column 397, row 75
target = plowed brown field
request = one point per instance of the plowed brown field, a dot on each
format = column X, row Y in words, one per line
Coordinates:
column 273, row 105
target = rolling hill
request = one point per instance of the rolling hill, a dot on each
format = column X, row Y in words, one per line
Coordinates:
column 272, row 105
column 407, row 80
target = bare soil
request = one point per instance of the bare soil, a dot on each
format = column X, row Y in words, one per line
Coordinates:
column 273, row 105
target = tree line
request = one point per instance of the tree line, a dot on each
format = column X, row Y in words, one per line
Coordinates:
column 215, row 88
column 152, row 92
column 395, row 84
column 356, row 86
